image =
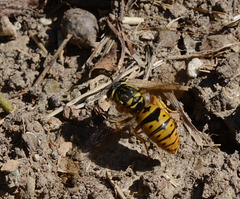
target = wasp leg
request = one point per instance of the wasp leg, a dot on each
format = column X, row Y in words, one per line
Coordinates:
column 117, row 124
column 162, row 105
column 141, row 139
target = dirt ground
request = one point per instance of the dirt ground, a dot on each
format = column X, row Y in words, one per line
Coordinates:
column 75, row 153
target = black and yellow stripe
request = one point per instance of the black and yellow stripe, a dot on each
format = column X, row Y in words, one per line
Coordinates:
column 153, row 119
column 158, row 125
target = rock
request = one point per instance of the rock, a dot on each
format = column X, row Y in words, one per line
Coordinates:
column 147, row 36
column 36, row 157
column 12, row 179
column 193, row 67
column 10, row 166
column 6, row 28
column 64, row 148
column 82, row 25
column 51, row 87
column 45, row 21
column 54, row 123
column 30, row 187
column 31, row 141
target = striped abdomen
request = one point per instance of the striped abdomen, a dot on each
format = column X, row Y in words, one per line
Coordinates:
column 158, row 125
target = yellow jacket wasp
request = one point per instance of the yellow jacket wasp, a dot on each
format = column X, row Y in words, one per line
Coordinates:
column 154, row 118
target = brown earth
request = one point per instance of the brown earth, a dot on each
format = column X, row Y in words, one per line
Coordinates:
column 69, row 155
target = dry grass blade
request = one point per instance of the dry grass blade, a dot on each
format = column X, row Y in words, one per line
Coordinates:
column 55, row 56
column 130, row 47
column 38, row 42
column 120, row 37
column 205, row 53
column 107, row 62
column 116, row 188
column 209, row 148
column 136, row 58
column 197, row 135
column 144, row 84
column 97, row 51
column 91, row 92
column 129, row 4
column 171, row 180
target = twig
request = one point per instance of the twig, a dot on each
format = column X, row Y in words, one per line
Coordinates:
column 27, row 54
column 91, row 92
column 129, row 4
column 150, row 65
column 205, row 151
column 119, row 36
column 207, row 11
column 116, row 188
column 131, row 51
column 60, row 40
column 123, row 51
column 170, row 180
column 129, row 45
column 108, row 46
column 55, row 56
column 132, row 20
column 205, row 53
column 40, row 78
column 5, row 104
column 156, row 85
column 167, row 29
column 39, row 43
column 137, row 58
column 194, row 132
column 96, row 51
column 197, row 135
column 122, row 10
column 234, row 6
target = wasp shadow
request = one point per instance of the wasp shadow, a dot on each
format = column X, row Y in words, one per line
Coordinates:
column 94, row 137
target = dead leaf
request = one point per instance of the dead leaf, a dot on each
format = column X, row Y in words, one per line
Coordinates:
column 107, row 62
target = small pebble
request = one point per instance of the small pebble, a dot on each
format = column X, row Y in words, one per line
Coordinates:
column 51, row 87
column 53, row 156
column 31, row 141
column 36, row 157
column 10, row 166
column 12, row 179
column 54, row 123
column 30, row 187
column 193, row 67
column 53, row 101
column 45, row 21
column 147, row 36
column 64, row 148
column 75, row 93
column 7, row 28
